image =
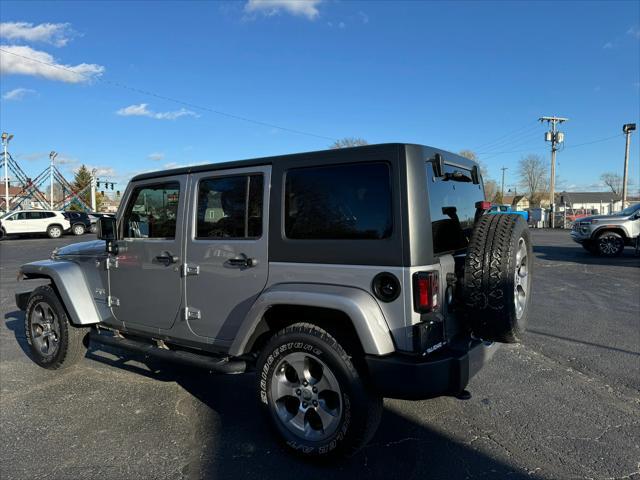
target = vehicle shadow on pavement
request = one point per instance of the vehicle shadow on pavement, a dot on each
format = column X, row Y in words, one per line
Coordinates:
column 14, row 321
column 241, row 445
column 246, row 448
column 576, row 254
column 582, row 342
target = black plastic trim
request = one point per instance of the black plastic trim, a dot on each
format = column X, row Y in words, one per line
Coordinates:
column 446, row 372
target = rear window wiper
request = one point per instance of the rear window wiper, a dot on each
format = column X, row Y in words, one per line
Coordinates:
column 457, row 177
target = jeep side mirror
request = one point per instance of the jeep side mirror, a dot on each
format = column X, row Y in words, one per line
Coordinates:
column 107, row 228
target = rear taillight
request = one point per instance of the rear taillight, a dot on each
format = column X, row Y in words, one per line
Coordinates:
column 425, row 291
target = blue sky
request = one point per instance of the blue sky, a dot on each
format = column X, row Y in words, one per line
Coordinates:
column 456, row 75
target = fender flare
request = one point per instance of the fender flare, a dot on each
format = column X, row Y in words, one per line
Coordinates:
column 71, row 285
column 598, row 230
column 363, row 310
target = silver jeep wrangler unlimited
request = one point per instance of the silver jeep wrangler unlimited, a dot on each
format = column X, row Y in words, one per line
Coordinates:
column 339, row 277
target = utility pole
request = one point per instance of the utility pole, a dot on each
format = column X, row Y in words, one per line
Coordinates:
column 93, row 189
column 556, row 138
column 627, row 129
column 6, row 138
column 502, row 187
column 52, row 157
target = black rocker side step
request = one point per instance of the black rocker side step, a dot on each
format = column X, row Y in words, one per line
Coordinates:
column 215, row 364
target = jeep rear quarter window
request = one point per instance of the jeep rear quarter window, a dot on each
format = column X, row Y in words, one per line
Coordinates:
column 452, row 200
column 351, row 201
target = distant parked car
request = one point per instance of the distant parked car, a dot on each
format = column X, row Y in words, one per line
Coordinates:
column 509, row 209
column 607, row 235
column 94, row 216
column 27, row 222
column 80, row 222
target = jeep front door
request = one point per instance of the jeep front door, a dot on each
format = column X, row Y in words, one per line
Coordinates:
column 226, row 247
column 145, row 286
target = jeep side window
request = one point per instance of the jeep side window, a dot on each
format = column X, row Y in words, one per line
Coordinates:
column 230, row 207
column 339, row 202
column 152, row 211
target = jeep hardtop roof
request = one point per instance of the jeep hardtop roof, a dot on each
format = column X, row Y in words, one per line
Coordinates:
column 343, row 152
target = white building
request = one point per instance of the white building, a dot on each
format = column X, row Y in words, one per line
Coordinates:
column 596, row 203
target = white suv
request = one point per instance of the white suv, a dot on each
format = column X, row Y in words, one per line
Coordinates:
column 50, row 222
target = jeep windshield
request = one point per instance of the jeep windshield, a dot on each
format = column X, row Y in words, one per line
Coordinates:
column 452, row 204
column 630, row 210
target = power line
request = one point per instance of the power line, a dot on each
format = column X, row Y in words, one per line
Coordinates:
column 513, row 143
column 170, row 99
column 497, row 140
column 595, row 141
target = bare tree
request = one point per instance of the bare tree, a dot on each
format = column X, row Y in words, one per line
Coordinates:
column 533, row 176
column 490, row 190
column 349, row 142
column 490, row 185
column 613, row 181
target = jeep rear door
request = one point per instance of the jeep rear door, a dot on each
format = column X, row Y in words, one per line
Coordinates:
column 226, row 248
column 146, row 286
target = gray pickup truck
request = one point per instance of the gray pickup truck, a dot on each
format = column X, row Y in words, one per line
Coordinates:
column 607, row 235
column 339, row 277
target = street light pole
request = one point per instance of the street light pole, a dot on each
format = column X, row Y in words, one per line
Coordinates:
column 627, row 129
column 93, row 189
column 6, row 138
column 52, row 157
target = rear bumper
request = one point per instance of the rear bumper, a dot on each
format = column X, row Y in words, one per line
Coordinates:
column 415, row 378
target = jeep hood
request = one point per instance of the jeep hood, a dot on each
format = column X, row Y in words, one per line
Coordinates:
column 93, row 248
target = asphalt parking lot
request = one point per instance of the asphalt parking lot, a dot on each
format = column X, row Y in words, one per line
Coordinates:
column 564, row 404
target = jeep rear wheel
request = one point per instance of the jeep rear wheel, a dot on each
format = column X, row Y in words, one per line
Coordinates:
column 313, row 395
column 53, row 341
column 54, row 231
column 610, row 244
column 497, row 278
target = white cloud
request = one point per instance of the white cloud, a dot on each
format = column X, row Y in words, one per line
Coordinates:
column 634, row 32
column 364, row 17
column 303, row 8
column 141, row 110
column 22, row 60
column 156, row 156
column 608, row 45
column 17, row 94
column 57, row 34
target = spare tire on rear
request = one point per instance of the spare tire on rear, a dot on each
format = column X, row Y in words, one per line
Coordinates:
column 497, row 278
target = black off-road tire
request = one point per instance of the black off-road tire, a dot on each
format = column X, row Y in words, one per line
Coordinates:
column 71, row 343
column 361, row 407
column 493, row 278
column 609, row 244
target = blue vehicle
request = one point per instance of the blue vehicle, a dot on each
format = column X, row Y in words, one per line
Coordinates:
column 509, row 209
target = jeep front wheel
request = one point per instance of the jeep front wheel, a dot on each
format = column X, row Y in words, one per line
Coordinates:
column 313, row 395
column 610, row 244
column 53, row 341
column 497, row 278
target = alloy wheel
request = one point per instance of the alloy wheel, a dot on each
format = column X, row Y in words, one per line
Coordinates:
column 521, row 278
column 45, row 329
column 306, row 396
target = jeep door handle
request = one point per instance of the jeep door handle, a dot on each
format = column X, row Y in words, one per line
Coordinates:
column 242, row 261
column 167, row 258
